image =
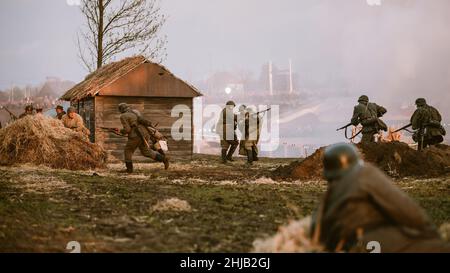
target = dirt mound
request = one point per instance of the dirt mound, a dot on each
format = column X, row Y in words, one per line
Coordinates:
column 397, row 159
column 308, row 168
column 41, row 140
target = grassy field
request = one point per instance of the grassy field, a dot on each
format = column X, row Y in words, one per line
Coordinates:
column 41, row 209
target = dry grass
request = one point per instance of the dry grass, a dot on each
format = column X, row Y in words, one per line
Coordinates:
column 41, row 140
column 294, row 237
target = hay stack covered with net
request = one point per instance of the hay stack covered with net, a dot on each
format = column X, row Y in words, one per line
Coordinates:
column 41, row 140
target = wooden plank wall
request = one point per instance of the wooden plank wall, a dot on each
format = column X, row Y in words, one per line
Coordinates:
column 158, row 110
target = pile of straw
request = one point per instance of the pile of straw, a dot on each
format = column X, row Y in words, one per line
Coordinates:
column 41, row 140
column 293, row 237
column 172, row 204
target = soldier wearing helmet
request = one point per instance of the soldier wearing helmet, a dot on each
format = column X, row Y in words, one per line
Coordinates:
column 249, row 125
column 59, row 112
column 226, row 129
column 362, row 204
column 28, row 111
column 135, row 127
column 74, row 121
column 426, row 120
column 368, row 115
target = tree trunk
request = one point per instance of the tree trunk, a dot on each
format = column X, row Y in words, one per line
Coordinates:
column 100, row 34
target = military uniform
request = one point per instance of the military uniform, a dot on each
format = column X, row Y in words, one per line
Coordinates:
column 250, row 128
column 367, row 114
column 76, row 124
column 138, row 137
column 427, row 121
column 226, row 128
column 28, row 112
column 363, row 205
column 60, row 115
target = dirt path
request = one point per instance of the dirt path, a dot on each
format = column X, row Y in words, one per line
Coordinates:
column 43, row 209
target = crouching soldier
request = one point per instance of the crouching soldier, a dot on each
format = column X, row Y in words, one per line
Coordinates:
column 426, row 120
column 74, row 121
column 249, row 125
column 368, row 115
column 59, row 112
column 135, row 126
column 362, row 205
column 226, row 128
column 28, row 111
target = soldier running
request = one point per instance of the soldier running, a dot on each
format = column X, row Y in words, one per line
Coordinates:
column 226, row 128
column 362, row 205
column 368, row 115
column 426, row 120
column 135, row 126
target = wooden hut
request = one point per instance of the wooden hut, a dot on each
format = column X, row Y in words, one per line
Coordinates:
column 147, row 87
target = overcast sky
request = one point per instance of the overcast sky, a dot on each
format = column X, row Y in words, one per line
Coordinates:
column 399, row 47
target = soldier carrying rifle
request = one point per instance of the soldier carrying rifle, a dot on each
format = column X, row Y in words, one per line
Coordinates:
column 136, row 127
column 426, row 120
column 368, row 115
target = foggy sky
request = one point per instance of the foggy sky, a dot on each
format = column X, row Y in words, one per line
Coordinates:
column 396, row 50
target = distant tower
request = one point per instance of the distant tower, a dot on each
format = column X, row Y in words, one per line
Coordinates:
column 270, row 79
column 291, row 88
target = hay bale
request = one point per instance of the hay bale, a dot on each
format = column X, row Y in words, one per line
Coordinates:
column 294, row 237
column 172, row 204
column 41, row 140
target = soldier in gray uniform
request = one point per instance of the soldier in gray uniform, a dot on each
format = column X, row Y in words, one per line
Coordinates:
column 426, row 120
column 368, row 115
column 135, row 127
column 362, row 205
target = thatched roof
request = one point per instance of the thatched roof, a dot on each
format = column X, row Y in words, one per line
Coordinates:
column 106, row 75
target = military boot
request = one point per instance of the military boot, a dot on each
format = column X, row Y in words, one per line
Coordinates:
column 129, row 166
column 250, row 157
column 166, row 162
column 231, row 152
column 255, row 155
column 224, row 156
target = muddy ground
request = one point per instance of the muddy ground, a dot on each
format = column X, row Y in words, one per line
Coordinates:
column 41, row 209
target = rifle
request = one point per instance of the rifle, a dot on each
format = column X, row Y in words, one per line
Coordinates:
column 267, row 110
column 12, row 116
column 344, row 127
column 345, row 132
column 112, row 130
column 403, row 128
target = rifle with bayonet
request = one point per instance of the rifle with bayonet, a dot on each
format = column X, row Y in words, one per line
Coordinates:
column 11, row 114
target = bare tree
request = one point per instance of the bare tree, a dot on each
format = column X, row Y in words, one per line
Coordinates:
column 116, row 26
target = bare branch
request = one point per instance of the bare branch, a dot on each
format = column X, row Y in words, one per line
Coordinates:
column 129, row 26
